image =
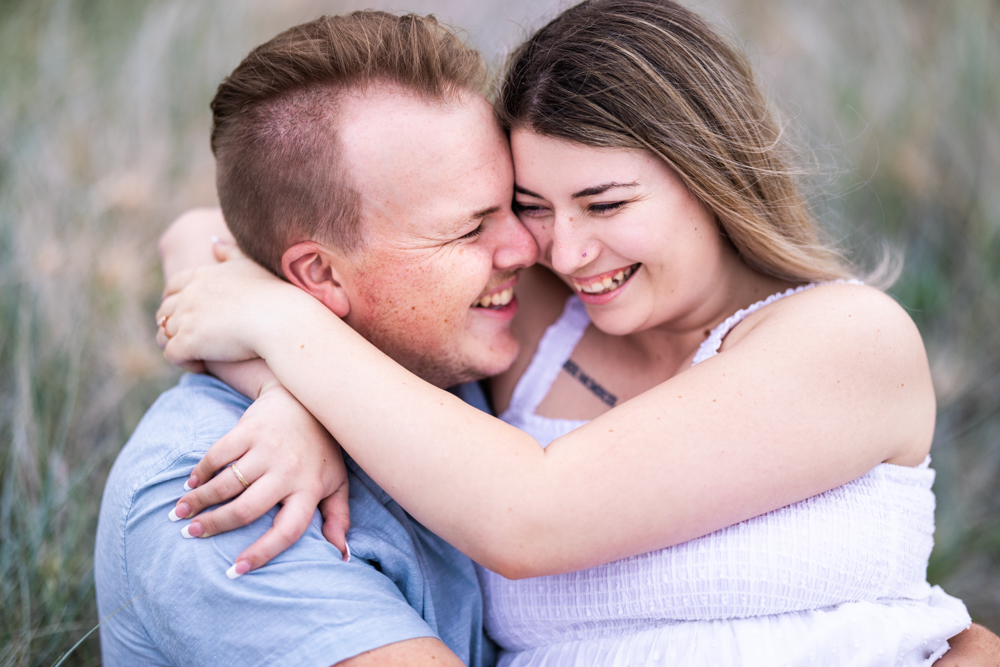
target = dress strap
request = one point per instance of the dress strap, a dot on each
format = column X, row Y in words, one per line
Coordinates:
column 710, row 347
column 554, row 349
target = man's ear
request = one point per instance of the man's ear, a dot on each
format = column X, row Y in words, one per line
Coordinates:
column 315, row 268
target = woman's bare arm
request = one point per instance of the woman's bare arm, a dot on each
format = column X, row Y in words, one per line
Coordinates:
column 824, row 387
column 293, row 437
column 187, row 242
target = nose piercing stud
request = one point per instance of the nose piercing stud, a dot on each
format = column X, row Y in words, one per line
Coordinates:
column 584, row 254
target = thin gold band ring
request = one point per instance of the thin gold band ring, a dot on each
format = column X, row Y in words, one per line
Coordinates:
column 239, row 476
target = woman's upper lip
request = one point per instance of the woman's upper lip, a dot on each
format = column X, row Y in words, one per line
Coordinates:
column 587, row 281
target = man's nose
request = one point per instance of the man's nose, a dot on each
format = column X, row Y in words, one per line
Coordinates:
column 516, row 247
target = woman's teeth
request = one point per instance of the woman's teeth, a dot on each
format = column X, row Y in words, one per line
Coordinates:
column 608, row 283
column 497, row 299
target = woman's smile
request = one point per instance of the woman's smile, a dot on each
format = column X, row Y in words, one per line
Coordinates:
column 603, row 287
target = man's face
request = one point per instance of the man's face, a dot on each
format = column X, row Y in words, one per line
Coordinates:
column 436, row 184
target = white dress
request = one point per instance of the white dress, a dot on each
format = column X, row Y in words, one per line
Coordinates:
column 837, row 579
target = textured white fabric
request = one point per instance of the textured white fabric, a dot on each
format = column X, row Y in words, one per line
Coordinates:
column 558, row 342
column 710, row 346
column 837, row 579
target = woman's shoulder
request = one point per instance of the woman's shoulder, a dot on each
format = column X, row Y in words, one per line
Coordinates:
column 541, row 299
column 862, row 337
column 829, row 311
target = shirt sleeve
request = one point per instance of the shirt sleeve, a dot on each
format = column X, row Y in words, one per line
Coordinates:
column 306, row 607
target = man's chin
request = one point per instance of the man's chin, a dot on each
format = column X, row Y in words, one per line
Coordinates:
column 485, row 362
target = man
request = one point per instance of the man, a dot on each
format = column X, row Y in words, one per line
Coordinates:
column 357, row 158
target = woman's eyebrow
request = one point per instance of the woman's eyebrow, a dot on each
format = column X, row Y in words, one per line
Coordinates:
column 604, row 187
column 526, row 191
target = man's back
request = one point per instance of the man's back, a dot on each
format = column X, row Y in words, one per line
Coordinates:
column 305, row 607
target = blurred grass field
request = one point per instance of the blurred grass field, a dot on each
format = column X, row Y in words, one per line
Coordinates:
column 104, row 138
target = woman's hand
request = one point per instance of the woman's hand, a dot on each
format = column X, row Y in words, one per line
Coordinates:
column 285, row 456
column 215, row 313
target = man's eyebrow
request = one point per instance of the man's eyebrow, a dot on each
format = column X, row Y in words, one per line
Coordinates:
column 479, row 215
column 604, row 187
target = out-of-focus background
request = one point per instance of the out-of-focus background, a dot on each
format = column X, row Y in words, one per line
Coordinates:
column 104, row 127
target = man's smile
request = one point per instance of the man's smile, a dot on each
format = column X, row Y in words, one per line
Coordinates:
column 498, row 296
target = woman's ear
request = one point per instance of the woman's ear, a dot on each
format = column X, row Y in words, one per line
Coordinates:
column 313, row 267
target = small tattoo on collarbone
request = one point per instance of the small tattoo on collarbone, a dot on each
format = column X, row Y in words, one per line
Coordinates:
column 592, row 386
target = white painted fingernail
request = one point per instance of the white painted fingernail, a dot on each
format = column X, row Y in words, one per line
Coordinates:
column 348, row 559
column 187, row 487
column 173, row 517
column 186, row 533
column 238, row 569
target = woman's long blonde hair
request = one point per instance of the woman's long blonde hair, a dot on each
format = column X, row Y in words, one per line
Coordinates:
column 652, row 75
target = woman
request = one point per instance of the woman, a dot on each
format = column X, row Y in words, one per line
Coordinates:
column 653, row 181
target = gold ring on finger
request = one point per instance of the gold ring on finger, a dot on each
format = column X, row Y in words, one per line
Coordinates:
column 239, row 476
column 162, row 323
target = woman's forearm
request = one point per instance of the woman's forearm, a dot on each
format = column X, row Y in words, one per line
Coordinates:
column 814, row 395
column 187, row 242
column 247, row 377
column 350, row 386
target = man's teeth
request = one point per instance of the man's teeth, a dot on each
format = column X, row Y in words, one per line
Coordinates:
column 501, row 298
column 608, row 283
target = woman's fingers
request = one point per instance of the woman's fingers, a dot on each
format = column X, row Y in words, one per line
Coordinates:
column 289, row 525
column 161, row 338
column 226, row 449
column 176, row 284
column 219, row 489
column 336, row 514
column 246, row 508
column 225, row 249
column 167, row 327
column 163, row 314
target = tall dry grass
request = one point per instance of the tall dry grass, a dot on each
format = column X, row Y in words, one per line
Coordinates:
column 103, row 138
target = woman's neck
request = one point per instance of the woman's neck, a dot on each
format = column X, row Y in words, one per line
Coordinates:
column 672, row 345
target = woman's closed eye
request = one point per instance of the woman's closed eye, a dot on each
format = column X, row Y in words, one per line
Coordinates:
column 601, row 209
column 537, row 211
column 529, row 210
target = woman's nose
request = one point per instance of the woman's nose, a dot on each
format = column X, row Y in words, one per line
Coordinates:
column 569, row 246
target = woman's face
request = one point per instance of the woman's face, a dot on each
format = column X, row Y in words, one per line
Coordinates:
column 622, row 229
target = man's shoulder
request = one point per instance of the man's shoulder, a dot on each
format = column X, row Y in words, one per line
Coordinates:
column 199, row 405
column 181, row 606
column 181, row 424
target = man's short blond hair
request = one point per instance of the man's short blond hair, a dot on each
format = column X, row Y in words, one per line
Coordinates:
column 282, row 177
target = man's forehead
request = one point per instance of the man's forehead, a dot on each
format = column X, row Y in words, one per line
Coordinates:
column 387, row 127
column 425, row 164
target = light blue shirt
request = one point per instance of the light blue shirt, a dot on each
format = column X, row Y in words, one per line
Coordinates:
column 306, row 607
